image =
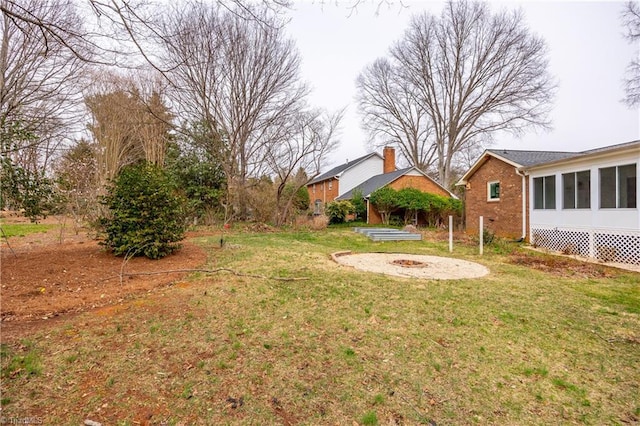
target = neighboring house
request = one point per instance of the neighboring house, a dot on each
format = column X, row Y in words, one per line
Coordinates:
column 494, row 187
column 337, row 181
column 582, row 203
column 410, row 177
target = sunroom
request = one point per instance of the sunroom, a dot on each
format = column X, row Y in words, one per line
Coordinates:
column 587, row 204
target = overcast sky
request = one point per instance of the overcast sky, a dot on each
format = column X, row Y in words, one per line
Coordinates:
column 588, row 57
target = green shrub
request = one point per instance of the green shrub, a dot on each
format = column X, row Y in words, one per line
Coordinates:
column 386, row 201
column 359, row 204
column 301, row 200
column 488, row 236
column 337, row 211
column 199, row 179
column 146, row 215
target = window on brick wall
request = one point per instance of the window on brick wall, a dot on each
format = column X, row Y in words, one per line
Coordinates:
column 618, row 187
column 493, row 191
column 544, row 193
column 576, row 190
column 317, row 207
column 330, row 184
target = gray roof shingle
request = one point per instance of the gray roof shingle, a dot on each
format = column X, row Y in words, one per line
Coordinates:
column 529, row 158
column 373, row 183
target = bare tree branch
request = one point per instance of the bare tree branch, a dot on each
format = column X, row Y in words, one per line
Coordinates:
column 41, row 80
column 311, row 137
column 240, row 78
column 472, row 73
column 393, row 115
column 631, row 22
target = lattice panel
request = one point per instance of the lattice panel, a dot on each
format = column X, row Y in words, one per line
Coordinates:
column 621, row 247
column 617, row 248
column 567, row 242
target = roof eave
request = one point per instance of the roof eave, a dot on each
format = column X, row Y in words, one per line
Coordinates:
column 584, row 156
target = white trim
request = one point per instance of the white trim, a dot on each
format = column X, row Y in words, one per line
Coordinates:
column 599, row 153
column 480, row 161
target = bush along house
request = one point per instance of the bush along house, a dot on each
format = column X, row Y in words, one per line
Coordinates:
column 367, row 174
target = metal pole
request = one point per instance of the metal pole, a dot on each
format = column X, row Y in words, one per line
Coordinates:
column 450, row 234
column 481, row 235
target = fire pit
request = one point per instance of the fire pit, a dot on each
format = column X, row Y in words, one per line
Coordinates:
column 411, row 265
column 408, row 263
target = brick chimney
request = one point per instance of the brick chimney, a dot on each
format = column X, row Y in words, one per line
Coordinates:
column 389, row 155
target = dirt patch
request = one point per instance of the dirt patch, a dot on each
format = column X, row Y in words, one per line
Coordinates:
column 404, row 265
column 46, row 276
column 562, row 266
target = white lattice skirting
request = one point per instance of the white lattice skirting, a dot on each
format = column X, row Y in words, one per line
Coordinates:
column 601, row 244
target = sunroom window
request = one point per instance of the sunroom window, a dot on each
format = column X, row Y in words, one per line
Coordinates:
column 618, row 187
column 544, row 193
column 576, row 190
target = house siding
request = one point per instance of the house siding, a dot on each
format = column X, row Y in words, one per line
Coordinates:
column 357, row 174
column 608, row 234
column 348, row 179
column 321, row 191
column 503, row 216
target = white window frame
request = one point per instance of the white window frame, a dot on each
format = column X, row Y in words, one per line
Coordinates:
column 617, row 186
column 544, row 179
column 576, row 190
column 489, row 198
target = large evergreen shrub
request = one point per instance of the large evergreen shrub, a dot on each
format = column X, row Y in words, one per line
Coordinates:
column 146, row 215
column 337, row 211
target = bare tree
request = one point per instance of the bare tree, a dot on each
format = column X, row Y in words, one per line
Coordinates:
column 473, row 73
column 41, row 81
column 129, row 123
column 237, row 77
column 312, row 136
column 393, row 115
column 116, row 30
column 631, row 22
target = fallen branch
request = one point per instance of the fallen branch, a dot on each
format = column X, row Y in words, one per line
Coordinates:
column 211, row 271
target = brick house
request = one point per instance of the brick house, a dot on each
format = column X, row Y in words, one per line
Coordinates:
column 494, row 188
column 330, row 185
column 410, row 177
column 368, row 173
column 583, row 203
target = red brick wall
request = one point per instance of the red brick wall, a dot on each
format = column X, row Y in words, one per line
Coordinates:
column 504, row 217
column 389, row 155
column 323, row 192
column 418, row 182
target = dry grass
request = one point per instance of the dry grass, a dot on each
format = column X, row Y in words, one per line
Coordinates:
column 522, row 346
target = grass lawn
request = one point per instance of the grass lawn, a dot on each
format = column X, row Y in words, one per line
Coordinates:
column 22, row 229
column 552, row 345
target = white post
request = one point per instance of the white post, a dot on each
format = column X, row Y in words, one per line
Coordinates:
column 450, row 234
column 481, row 235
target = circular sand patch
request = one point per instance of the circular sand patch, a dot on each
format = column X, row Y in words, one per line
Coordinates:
column 412, row 265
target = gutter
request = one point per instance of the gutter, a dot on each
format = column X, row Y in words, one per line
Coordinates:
column 524, row 204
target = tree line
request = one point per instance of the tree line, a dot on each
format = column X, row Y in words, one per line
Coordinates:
column 220, row 104
column 212, row 94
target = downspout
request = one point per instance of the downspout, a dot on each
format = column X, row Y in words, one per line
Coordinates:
column 524, row 204
column 324, row 194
